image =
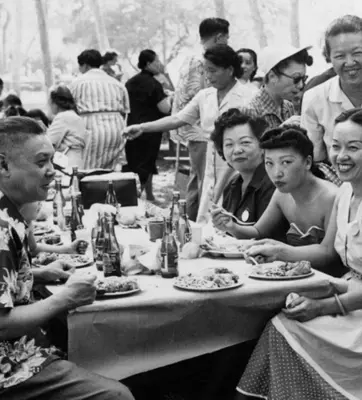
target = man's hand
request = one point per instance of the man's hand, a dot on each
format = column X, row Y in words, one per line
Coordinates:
column 133, row 132
column 55, row 271
column 79, row 290
column 78, row 246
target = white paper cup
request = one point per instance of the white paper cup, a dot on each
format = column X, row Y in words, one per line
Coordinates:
column 196, row 233
column 83, row 234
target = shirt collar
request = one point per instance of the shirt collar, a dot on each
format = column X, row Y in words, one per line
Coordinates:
column 257, row 179
column 268, row 104
column 337, row 95
column 9, row 210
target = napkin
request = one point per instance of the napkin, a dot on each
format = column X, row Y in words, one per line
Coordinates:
column 91, row 219
column 152, row 259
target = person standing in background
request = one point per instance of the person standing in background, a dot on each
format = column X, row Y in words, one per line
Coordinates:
column 212, row 31
column 149, row 102
column 103, row 103
column 110, row 61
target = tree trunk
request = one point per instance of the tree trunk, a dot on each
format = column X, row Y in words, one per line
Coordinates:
column 294, row 23
column 17, row 59
column 220, row 8
column 44, row 42
column 258, row 23
column 101, row 32
column 5, row 19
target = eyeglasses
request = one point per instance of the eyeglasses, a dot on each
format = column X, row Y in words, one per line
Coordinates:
column 296, row 79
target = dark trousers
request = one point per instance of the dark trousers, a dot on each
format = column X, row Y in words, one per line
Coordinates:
column 197, row 153
column 62, row 380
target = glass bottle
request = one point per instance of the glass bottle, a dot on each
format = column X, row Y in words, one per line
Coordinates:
column 94, row 234
column 169, row 252
column 75, row 189
column 111, row 250
column 58, row 205
column 75, row 219
column 99, row 242
column 184, row 230
column 111, row 197
column 175, row 212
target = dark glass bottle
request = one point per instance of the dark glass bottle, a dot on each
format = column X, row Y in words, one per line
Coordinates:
column 99, row 243
column 175, row 212
column 58, row 205
column 184, row 230
column 169, row 252
column 111, row 250
column 75, row 219
column 75, row 189
column 111, row 197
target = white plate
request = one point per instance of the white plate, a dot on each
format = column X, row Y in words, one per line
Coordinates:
column 42, row 231
column 75, row 264
column 190, row 289
column 280, row 278
column 117, row 294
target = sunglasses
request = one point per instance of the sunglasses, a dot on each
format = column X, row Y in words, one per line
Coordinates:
column 296, row 79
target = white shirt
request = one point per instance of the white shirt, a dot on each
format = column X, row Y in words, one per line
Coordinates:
column 321, row 106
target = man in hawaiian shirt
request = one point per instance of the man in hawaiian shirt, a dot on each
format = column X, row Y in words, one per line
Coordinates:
column 29, row 369
column 192, row 79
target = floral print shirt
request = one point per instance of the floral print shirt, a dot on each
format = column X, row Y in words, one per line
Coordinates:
column 20, row 358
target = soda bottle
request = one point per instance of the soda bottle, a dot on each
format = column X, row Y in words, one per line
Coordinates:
column 111, row 250
column 58, row 205
column 75, row 189
column 175, row 212
column 75, row 219
column 99, row 242
column 94, row 234
column 184, row 230
column 111, row 197
column 169, row 252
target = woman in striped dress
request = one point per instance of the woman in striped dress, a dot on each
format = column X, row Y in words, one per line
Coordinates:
column 103, row 104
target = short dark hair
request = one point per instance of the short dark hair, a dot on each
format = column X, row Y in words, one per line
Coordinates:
column 12, row 100
column 109, row 56
column 212, row 26
column 90, row 57
column 145, row 57
column 63, row 98
column 292, row 136
column 15, row 131
column 37, row 113
column 224, row 56
column 345, row 24
column 14, row 111
column 253, row 56
column 302, row 57
column 234, row 117
column 354, row 115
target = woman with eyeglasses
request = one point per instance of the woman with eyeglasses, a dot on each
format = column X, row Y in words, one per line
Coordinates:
column 301, row 197
column 314, row 347
column 237, row 139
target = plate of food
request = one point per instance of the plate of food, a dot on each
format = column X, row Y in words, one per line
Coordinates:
column 115, row 286
column 40, row 230
column 281, row 270
column 211, row 280
column 225, row 247
column 52, row 239
column 77, row 260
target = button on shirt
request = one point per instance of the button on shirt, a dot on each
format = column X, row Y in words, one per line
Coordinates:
column 262, row 105
column 251, row 206
column 321, row 106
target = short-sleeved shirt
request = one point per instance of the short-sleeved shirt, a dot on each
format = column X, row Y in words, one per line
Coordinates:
column 262, row 105
column 67, row 131
column 251, row 206
column 95, row 91
column 321, row 106
column 204, row 107
column 191, row 81
column 22, row 357
column 145, row 92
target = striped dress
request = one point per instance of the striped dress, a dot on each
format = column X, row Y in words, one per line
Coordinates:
column 101, row 101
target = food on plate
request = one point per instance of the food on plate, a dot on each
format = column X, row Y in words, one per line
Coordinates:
column 41, row 229
column 290, row 298
column 116, row 284
column 283, row 269
column 52, row 239
column 47, row 258
column 215, row 279
column 229, row 245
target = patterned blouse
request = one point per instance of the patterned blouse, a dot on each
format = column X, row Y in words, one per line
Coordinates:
column 20, row 358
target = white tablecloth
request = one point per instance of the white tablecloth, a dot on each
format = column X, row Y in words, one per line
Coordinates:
column 162, row 325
